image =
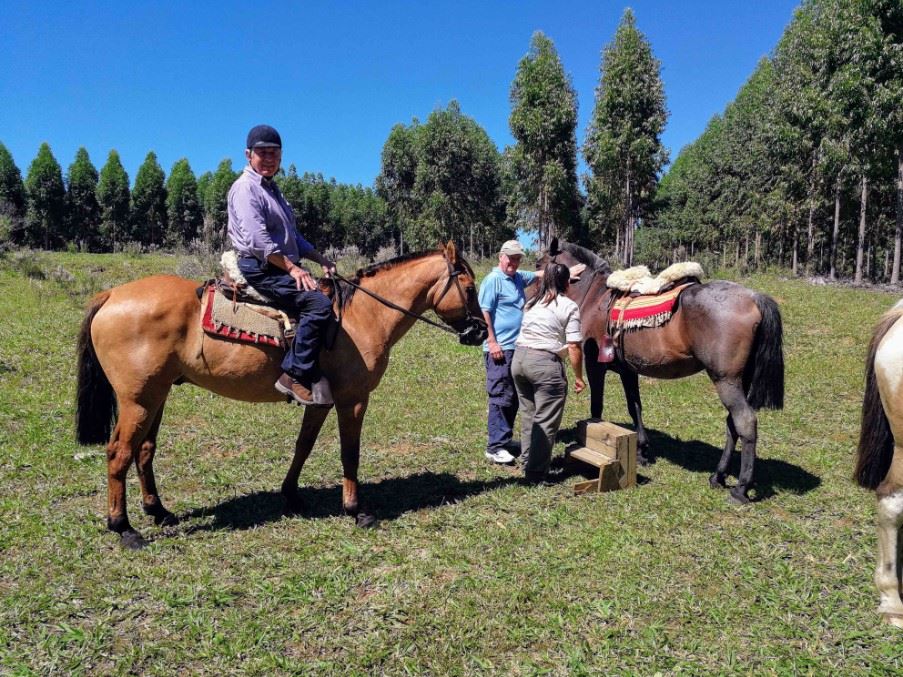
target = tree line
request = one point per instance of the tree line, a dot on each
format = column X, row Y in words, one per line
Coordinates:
column 805, row 167
column 441, row 178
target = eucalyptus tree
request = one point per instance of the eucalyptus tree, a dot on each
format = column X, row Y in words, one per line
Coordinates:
column 457, row 184
column 623, row 146
column 543, row 160
column 45, row 200
column 216, row 208
column 114, row 198
column 82, row 208
column 398, row 171
column 183, row 208
column 12, row 189
column 149, row 203
column 442, row 179
column 12, row 197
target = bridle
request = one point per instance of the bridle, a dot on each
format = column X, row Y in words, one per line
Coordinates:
column 452, row 280
column 589, row 281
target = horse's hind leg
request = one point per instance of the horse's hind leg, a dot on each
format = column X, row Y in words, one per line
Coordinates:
column 131, row 428
column 717, row 480
column 144, row 463
column 744, row 427
column 307, row 436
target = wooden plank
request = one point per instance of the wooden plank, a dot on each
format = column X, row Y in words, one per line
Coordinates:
column 590, row 456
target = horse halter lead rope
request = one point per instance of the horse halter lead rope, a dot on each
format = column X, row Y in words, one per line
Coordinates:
column 452, row 278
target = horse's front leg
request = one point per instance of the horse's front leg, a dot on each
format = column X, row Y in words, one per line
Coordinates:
column 595, row 377
column 631, row 382
column 887, row 573
column 311, row 424
column 351, row 419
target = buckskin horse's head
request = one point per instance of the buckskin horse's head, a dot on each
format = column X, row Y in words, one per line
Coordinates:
column 457, row 303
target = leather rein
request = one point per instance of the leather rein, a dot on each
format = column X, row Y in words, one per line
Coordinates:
column 452, row 279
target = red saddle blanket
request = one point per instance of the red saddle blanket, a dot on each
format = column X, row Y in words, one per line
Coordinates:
column 631, row 312
column 231, row 328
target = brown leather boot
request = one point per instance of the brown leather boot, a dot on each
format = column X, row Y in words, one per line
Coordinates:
column 294, row 390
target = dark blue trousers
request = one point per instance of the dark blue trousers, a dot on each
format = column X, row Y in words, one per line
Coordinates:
column 312, row 308
column 502, row 401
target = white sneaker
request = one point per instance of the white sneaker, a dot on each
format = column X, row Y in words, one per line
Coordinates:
column 500, row 456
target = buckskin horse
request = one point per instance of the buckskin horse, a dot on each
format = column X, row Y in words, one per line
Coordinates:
column 879, row 458
column 726, row 329
column 139, row 339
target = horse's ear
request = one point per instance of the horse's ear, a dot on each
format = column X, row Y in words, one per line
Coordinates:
column 451, row 252
column 553, row 247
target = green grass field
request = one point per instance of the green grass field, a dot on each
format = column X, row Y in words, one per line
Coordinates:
column 468, row 572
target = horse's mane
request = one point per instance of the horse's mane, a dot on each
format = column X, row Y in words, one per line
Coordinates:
column 592, row 260
column 347, row 291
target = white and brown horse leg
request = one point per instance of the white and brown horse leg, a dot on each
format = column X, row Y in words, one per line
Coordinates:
column 132, row 427
column 742, row 424
column 144, row 463
column 350, row 421
column 890, row 519
column 311, row 424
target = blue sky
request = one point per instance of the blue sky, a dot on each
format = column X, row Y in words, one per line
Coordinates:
column 187, row 79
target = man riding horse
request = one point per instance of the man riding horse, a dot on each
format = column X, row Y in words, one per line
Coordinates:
column 263, row 231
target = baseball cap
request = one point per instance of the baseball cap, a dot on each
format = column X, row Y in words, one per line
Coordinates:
column 512, row 248
column 264, row 136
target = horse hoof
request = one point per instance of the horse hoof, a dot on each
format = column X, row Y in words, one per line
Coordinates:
column 716, row 481
column 166, row 519
column 132, row 540
column 365, row 520
column 738, row 497
column 895, row 620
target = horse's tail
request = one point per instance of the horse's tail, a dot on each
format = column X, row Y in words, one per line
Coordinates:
column 876, row 442
column 763, row 377
column 96, row 402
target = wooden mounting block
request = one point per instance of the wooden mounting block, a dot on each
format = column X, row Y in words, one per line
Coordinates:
column 611, row 449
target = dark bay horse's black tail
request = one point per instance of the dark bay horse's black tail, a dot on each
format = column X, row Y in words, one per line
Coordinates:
column 876, row 442
column 96, row 403
column 763, row 377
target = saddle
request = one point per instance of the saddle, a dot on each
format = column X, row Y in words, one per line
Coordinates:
column 637, row 300
column 232, row 308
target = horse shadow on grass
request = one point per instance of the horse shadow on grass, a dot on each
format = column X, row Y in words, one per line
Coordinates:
column 772, row 475
column 388, row 499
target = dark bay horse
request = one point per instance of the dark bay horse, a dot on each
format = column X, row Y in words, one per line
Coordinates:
column 879, row 464
column 730, row 331
column 141, row 338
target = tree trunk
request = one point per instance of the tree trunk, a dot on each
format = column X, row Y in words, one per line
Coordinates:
column 810, row 238
column 835, row 234
column 796, row 245
column 860, row 244
column 758, row 247
column 898, row 231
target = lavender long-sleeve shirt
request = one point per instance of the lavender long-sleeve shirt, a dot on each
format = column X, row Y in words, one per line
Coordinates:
column 261, row 222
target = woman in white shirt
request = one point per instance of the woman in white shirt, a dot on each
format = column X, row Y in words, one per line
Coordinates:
column 550, row 328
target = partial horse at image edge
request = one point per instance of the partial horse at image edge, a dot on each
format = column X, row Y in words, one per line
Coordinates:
column 879, row 455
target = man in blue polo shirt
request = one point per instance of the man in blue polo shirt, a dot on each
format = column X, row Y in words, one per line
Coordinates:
column 502, row 298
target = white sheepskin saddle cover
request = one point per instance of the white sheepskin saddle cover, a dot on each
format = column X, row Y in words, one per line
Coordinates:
column 638, row 279
column 229, row 262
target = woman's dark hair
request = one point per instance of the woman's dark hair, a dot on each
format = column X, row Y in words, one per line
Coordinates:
column 555, row 280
